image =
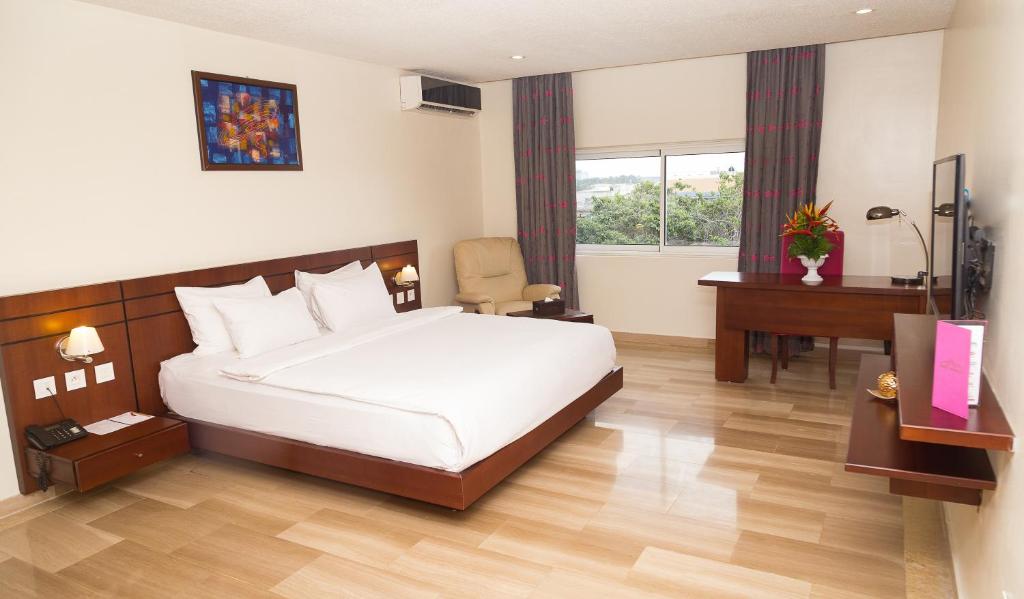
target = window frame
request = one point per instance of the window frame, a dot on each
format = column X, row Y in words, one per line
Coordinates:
column 662, row 152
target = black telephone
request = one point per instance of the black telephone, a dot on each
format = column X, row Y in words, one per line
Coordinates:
column 52, row 435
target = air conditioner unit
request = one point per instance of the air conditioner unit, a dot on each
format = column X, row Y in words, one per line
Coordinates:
column 420, row 92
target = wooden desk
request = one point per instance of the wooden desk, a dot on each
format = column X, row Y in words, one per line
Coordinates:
column 851, row 307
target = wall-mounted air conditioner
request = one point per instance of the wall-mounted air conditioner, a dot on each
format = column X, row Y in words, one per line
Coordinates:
column 420, row 92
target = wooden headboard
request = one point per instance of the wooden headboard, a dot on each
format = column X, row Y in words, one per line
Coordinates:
column 30, row 325
column 140, row 324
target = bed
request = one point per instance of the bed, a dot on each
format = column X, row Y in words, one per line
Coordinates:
column 464, row 385
column 416, row 409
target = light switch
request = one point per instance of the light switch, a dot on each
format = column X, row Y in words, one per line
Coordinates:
column 400, row 298
column 104, row 372
column 74, row 379
column 45, row 387
column 412, row 295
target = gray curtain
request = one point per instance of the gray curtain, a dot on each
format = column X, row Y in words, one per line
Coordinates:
column 545, row 153
column 785, row 91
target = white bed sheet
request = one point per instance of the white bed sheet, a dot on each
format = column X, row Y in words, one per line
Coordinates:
column 193, row 387
column 389, row 419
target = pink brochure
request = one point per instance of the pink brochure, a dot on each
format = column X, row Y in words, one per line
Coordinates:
column 952, row 363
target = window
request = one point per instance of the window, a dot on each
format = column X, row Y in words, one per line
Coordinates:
column 617, row 201
column 660, row 199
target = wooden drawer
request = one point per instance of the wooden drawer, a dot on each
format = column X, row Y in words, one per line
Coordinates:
column 103, row 467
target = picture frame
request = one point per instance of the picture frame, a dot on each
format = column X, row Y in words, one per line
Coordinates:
column 246, row 124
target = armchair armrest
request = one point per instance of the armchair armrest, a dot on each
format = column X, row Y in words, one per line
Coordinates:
column 539, row 291
column 473, row 298
column 480, row 303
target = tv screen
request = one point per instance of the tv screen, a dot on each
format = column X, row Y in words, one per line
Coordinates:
column 949, row 230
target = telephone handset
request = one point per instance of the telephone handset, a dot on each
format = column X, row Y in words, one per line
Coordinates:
column 52, row 435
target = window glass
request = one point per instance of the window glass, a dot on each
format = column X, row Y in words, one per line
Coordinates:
column 618, row 201
column 703, row 199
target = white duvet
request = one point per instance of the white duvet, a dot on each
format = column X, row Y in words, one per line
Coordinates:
column 491, row 379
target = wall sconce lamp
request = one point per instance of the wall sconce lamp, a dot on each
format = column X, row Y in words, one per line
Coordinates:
column 885, row 212
column 80, row 345
column 406, row 277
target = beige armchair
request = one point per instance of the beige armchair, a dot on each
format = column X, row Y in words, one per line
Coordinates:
column 492, row 277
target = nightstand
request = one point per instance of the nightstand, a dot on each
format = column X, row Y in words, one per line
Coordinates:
column 568, row 316
column 97, row 459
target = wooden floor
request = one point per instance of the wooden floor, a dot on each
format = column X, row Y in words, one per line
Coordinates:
column 678, row 486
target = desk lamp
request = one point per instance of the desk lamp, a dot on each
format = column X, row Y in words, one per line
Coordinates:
column 885, row 212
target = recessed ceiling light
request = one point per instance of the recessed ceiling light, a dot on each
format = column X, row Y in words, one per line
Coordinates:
column 517, row 57
column 864, row 11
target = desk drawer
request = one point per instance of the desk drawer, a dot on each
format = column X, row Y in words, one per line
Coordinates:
column 124, row 459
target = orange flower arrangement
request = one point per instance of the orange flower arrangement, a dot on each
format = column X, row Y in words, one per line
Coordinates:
column 808, row 227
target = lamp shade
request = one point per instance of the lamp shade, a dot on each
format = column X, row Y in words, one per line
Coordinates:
column 409, row 274
column 83, row 341
column 882, row 212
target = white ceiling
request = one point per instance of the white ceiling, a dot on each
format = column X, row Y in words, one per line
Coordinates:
column 471, row 40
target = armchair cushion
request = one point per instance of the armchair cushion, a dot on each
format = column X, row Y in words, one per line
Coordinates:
column 539, row 291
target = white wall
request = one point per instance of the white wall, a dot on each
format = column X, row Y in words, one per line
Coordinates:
column 100, row 164
column 877, row 146
column 497, row 160
column 881, row 101
column 981, row 115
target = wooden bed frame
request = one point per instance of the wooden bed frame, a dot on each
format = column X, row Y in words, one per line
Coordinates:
column 141, row 324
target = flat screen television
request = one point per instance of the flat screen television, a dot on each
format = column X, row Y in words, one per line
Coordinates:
column 947, row 280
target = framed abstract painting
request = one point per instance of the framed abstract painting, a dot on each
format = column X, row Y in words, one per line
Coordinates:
column 246, row 124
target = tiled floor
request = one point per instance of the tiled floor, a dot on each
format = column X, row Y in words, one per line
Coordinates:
column 677, row 486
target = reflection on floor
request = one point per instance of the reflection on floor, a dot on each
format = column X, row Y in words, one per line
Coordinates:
column 677, row 486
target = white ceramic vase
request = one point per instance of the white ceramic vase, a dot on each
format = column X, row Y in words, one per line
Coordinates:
column 812, row 277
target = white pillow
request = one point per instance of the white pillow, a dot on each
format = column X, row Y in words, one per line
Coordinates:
column 261, row 324
column 347, row 302
column 305, row 281
column 208, row 331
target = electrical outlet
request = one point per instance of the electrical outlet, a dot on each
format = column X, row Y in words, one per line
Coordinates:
column 104, row 372
column 400, row 298
column 74, row 379
column 412, row 295
column 45, row 387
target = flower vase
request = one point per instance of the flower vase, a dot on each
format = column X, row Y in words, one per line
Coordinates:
column 812, row 277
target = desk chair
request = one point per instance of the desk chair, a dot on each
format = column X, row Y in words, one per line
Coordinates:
column 833, row 267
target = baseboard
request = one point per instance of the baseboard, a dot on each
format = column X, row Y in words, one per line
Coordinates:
column 665, row 341
column 15, row 504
